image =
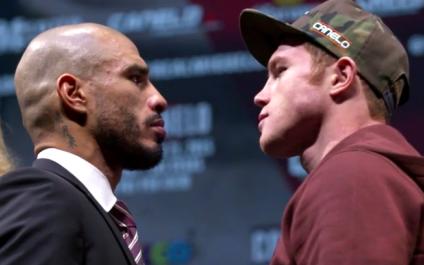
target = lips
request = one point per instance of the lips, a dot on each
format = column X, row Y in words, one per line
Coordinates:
column 158, row 126
column 261, row 119
column 158, row 123
column 262, row 116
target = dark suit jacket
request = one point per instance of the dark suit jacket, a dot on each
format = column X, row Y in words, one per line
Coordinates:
column 48, row 217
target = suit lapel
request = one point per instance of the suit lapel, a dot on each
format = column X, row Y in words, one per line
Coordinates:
column 53, row 167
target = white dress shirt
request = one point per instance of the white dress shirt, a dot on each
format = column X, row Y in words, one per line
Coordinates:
column 90, row 176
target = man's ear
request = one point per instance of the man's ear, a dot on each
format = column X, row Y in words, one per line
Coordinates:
column 71, row 94
column 343, row 76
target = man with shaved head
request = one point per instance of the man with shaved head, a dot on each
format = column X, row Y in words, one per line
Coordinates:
column 91, row 111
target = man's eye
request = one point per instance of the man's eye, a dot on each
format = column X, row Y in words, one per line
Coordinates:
column 138, row 80
column 279, row 70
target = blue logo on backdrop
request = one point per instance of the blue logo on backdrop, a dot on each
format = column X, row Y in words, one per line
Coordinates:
column 176, row 252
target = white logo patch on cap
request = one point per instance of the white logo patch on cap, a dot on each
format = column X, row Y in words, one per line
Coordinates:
column 328, row 32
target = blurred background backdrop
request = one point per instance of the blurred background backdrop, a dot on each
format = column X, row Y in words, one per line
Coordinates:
column 215, row 198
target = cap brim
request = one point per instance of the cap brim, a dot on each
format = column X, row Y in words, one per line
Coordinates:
column 263, row 34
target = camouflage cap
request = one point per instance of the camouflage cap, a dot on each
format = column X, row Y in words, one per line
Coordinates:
column 342, row 28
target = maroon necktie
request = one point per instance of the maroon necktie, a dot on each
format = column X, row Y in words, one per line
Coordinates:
column 125, row 221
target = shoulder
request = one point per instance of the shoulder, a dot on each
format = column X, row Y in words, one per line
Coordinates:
column 351, row 199
column 35, row 188
column 40, row 216
column 363, row 172
column 358, row 163
column 31, row 198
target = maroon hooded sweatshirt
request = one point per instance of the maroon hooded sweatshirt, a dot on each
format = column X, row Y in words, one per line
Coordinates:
column 363, row 204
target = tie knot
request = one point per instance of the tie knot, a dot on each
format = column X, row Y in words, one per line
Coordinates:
column 122, row 215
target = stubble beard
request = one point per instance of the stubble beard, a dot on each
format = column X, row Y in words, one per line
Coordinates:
column 119, row 140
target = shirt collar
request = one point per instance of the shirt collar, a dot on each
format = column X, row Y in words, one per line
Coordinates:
column 89, row 175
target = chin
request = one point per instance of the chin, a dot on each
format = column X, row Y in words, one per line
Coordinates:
column 144, row 160
column 268, row 148
column 276, row 149
column 153, row 146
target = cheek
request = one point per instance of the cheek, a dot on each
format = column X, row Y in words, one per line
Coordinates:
column 276, row 123
column 289, row 124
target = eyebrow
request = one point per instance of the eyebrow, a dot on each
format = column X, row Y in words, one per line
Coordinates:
column 274, row 60
column 136, row 69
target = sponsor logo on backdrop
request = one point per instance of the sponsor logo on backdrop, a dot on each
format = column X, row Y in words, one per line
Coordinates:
column 165, row 21
column 177, row 252
column 174, row 20
column 203, row 65
column 295, row 168
column 236, row 62
column 289, row 10
column 16, row 33
column 392, row 7
column 262, row 243
column 292, row 171
column 7, row 85
column 285, row 12
column 416, row 45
